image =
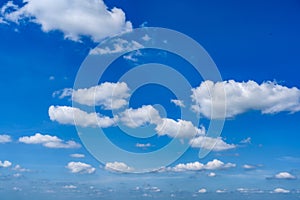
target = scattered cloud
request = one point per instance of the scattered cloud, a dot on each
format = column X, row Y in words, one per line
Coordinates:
column 202, row 190
column 280, row 190
column 134, row 118
column 216, row 144
column 212, row 174
column 118, row 166
column 140, row 145
column 246, row 141
column 67, row 115
column 20, row 169
column 221, row 191
column 178, row 129
column 5, row 164
column 77, row 155
column 108, row 95
column 49, row 141
column 76, row 19
column 5, row 139
column 284, row 175
column 249, row 167
column 178, row 102
column 70, row 187
column 268, row 97
column 51, row 78
column 81, row 168
column 146, row 38
column 197, row 166
column 117, row 46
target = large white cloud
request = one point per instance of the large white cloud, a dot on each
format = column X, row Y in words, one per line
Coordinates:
column 268, row 97
column 5, row 139
column 80, row 167
column 108, row 95
column 5, row 164
column 66, row 115
column 118, row 166
column 73, row 18
column 196, row 166
column 284, row 175
column 49, row 141
column 217, row 144
column 281, row 190
column 134, row 118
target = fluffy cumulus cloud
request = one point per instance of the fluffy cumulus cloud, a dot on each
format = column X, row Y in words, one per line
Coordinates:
column 74, row 18
column 284, row 175
column 5, row 164
column 107, row 95
column 240, row 97
column 202, row 190
column 196, row 166
column 117, row 46
column 178, row 129
column 5, row 139
column 134, row 118
column 75, row 116
column 118, row 166
column 280, row 190
column 80, row 167
column 49, row 141
column 216, row 144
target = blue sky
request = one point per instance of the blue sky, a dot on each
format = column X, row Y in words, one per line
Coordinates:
column 44, row 44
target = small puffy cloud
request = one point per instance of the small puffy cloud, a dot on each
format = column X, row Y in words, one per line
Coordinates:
column 5, row 139
column 240, row 97
column 117, row 46
column 284, row 175
column 77, row 18
column 140, row 145
column 67, row 115
column 20, row 169
column 77, row 155
column 134, row 118
column 197, row 166
column 107, row 95
column 80, row 167
column 178, row 129
column 246, row 141
column 118, row 166
column 281, row 190
column 249, row 167
column 217, row 144
column 220, row 191
column 5, row 164
column 178, row 102
column 70, row 187
column 202, row 190
column 212, row 174
column 49, row 141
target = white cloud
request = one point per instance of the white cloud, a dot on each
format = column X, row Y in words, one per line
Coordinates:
column 246, row 141
column 70, row 187
column 281, row 190
column 143, row 145
column 75, row 19
column 49, row 141
column 81, row 168
column 118, row 166
column 77, row 155
column 108, row 95
column 178, row 102
column 139, row 117
column 179, row 129
column 220, row 191
column 67, row 115
column 20, row 169
column 217, row 144
column 212, row 174
column 249, row 167
column 5, row 139
column 268, row 97
column 5, row 164
column 202, row 190
column 117, row 46
column 284, row 175
column 196, row 166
